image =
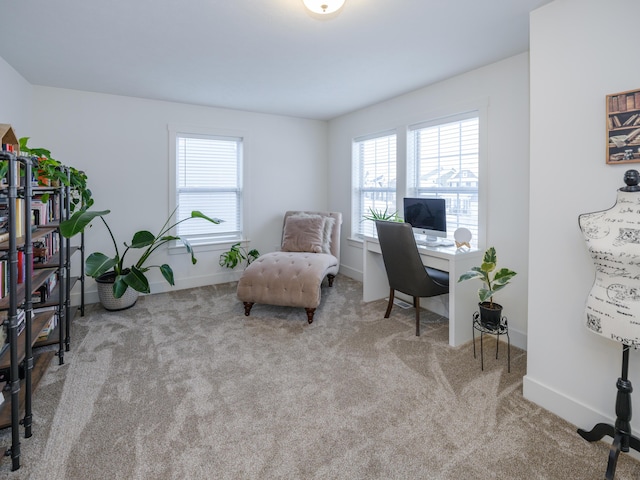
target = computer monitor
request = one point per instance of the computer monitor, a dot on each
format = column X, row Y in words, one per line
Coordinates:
column 427, row 216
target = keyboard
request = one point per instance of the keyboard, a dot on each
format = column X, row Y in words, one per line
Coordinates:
column 437, row 243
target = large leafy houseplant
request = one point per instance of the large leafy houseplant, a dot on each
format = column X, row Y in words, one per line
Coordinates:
column 129, row 275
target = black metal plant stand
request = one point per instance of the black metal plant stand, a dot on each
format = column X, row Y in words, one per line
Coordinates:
column 501, row 329
column 621, row 432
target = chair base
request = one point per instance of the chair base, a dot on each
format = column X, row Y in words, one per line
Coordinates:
column 416, row 306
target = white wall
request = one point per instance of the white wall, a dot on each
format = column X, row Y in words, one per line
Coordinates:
column 504, row 86
column 15, row 100
column 122, row 145
column 575, row 61
column 579, row 54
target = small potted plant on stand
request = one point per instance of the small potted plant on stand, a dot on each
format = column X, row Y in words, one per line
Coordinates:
column 490, row 312
column 238, row 254
column 118, row 284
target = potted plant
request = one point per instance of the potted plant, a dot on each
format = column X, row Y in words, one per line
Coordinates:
column 238, row 254
column 374, row 215
column 118, row 283
column 490, row 312
column 52, row 172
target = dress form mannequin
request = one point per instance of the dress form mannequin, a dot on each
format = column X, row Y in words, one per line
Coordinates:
column 613, row 305
column 613, row 238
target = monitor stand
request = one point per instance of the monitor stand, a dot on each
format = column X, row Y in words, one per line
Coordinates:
column 431, row 241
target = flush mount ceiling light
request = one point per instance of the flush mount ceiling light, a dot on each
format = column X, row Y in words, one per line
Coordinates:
column 323, row 7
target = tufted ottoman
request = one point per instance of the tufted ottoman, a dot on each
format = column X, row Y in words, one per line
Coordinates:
column 290, row 279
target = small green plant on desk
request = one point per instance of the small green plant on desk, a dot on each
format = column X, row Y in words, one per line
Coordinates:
column 374, row 215
column 238, row 254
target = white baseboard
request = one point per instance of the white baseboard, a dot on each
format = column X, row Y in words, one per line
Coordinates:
column 570, row 409
column 518, row 339
column 351, row 272
column 91, row 293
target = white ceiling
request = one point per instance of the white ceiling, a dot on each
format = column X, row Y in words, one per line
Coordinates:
column 268, row 56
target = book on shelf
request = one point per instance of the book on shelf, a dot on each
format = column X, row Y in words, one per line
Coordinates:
column 4, row 340
column 20, row 266
column 21, row 320
column 20, row 227
column 614, row 104
column 632, row 136
column 4, row 216
column 631, row 102
column 4, row 278
column 43, row 292
column 40, row 295
column 622, row 103
column 51, row 282
column 48, row 328
column 43, row 212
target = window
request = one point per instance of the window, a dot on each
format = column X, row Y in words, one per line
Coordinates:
column 208, row 178
column 444, row 162
column 374, row 180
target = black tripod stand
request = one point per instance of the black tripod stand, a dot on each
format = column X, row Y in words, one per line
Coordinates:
column 621, row 433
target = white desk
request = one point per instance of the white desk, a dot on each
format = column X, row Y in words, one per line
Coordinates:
column 462, row 297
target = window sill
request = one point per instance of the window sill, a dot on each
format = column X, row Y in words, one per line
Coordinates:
column 178, row 248
column 355, row 242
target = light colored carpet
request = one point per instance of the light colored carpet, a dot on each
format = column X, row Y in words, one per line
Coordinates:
column 183, row 385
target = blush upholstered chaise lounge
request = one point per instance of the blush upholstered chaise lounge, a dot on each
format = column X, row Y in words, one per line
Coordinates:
column 293, row 276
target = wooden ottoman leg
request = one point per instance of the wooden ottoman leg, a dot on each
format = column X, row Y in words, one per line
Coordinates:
column 247, row 308
column 310, row 312
column 330, row 278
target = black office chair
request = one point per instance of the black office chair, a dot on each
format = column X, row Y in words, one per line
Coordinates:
column 405, row 270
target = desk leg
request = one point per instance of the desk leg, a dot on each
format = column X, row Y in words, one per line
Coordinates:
column 375, row 284
column 462, row 300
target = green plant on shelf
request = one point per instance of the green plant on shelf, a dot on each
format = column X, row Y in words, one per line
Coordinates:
column 52, row 171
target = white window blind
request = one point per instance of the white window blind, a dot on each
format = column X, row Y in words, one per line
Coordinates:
column 208, row 179
column 374, row 180
column 444, row 163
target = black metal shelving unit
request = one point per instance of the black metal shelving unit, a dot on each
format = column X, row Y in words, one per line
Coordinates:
column 23, row 364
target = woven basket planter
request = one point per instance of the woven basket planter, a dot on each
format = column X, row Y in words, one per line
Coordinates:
column 105, row 294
